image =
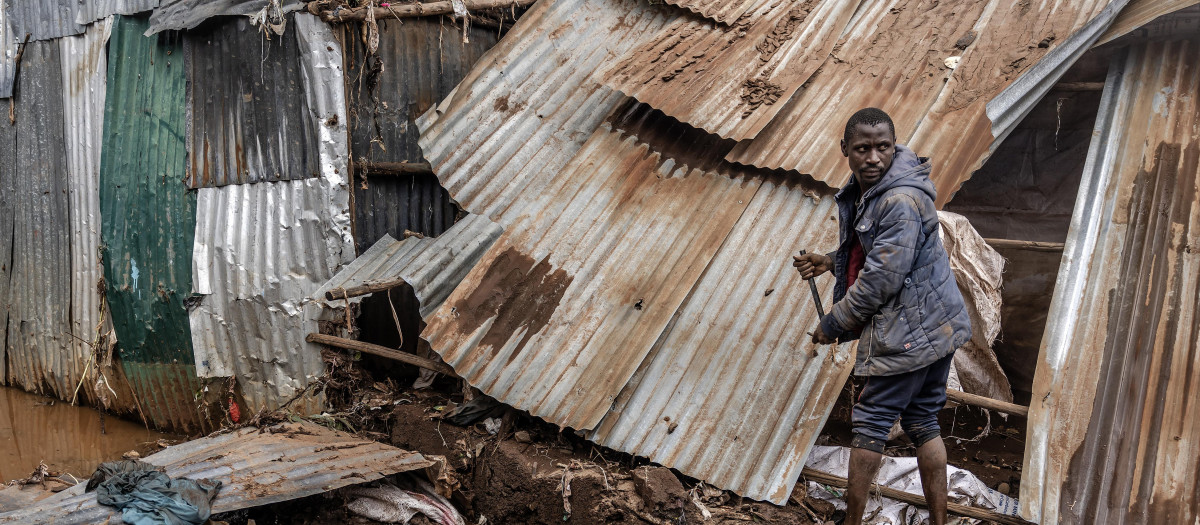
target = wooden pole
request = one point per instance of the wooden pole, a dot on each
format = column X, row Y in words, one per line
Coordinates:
column 913, row 499
column 394, row 169
column 346, row 293
column 964, row 398
column 411, row 9
column 381, row 351
column 1026, row 245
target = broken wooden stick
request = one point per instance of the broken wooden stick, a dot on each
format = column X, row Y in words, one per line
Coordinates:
column 394, row 169
column 370, row 288
column 913, row 499
column 412, row 9
column 964, row 398
column 381, row 351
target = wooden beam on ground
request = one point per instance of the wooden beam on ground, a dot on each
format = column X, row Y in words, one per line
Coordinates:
column 370, row 288
column 964, row 398
column 1079, row 86
column 411, row 9
column 913, row 499
column 381, row 351
column 394, row 169
column 1026, row 245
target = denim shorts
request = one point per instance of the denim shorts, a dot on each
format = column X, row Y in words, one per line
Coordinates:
column 915, row 397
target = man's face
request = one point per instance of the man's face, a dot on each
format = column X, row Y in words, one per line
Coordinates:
column 869, row 153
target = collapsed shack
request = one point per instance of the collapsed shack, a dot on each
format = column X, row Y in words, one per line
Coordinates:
column 548, row 163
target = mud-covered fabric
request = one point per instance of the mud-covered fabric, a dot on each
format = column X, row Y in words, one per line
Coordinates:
column 147, row 496
column 904, row 305
column 915, row 397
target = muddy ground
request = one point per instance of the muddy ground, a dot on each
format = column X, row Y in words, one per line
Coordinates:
column 532, row 472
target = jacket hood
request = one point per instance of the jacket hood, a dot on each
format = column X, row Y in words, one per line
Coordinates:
column 907, row 170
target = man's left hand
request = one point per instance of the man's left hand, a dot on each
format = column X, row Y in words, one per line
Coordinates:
column 819, row 337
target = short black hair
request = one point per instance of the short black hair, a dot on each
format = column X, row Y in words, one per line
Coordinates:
column 870, row 117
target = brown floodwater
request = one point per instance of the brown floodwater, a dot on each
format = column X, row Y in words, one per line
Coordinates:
column 67, row 438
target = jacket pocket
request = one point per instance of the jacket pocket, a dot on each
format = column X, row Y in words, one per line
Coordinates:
column 890, row 330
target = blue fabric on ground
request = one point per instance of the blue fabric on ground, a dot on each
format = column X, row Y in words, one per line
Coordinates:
column 147, row 496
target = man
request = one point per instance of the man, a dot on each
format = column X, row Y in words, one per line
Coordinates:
column 896, row 294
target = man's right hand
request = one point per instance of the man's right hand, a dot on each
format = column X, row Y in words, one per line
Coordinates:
column 812, row 264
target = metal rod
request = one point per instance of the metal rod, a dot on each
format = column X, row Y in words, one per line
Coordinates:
column 812, row 286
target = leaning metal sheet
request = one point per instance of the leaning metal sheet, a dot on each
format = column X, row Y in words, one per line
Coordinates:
column 738, row 349
column 732, row 80
column 560, row 312
column 1114, row 423
column 529, row 103
column 929, row 66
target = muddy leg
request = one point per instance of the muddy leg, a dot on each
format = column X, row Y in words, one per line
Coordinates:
column 864, row 464
column 931, row 461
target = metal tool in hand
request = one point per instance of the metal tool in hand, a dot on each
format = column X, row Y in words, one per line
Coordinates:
column 812, row 286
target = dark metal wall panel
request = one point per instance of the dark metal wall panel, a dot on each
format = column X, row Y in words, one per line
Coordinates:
column 422, row 60
column 249, row 117
column 187, row 14
column 43, row 19
column 149, row 220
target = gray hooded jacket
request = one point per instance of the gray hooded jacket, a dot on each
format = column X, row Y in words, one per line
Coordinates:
column 905, row 303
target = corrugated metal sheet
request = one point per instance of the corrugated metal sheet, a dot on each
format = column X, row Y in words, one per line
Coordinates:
column 560, row 312
column 893, row 56
column 1139, row 13
column 187, row 14
column 255, row 467
column 422, row 60
column 248, row 120
column 8, row 55
column 725, row 11
column 737, row 349
column 149, row 220
column 261, row 250
column 732, row 80
column 432, row 266
column 84, row 73
column 1114, row 424
column 43, row 19
column 38, row 253
column 92, row 10
column 529, row 104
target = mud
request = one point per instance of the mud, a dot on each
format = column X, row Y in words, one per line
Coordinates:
column 784, row 30
column 67, row 438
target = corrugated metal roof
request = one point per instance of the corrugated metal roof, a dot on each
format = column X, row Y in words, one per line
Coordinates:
column 433, row 266
column 255, row 467
column 262, row 250
column 737, row 349
column 732, row 80
column 725, row 11
column 1140, row 12
column 43, row 19
column 84, row 74
column 529, row 103
column 92, row 10
column 187, row 14
column 560, row 312
column 422, row 60
column 1114, row 424
column 248, row 117
column 149, row 220
column 37, row 247
column 893, row 57
column 8, row 55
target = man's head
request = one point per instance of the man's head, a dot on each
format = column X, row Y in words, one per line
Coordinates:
column 869, row 145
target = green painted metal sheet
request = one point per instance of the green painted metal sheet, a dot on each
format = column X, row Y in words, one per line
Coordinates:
column 149, row 220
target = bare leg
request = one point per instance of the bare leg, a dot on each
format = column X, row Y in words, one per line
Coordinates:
column 864, row 464
column 931, row 461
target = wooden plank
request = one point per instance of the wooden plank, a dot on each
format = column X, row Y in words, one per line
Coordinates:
column 412, row 9
column 381, row 351
column 913, row 499
column 1026, row 245
column 964, row 398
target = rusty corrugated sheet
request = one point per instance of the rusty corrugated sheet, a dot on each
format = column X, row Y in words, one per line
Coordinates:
column 1139, row 13
column 893, row 57
column 255, row 467
column 737, row 349
column 1114, row 424
column 248, row 119
column 422, row 60
column 262, row 250
column 92, row 10
column 529, row 103
column 724, row 11
column 36, row 223
column 559, row 313
column 732, row 80
column 432, row 266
